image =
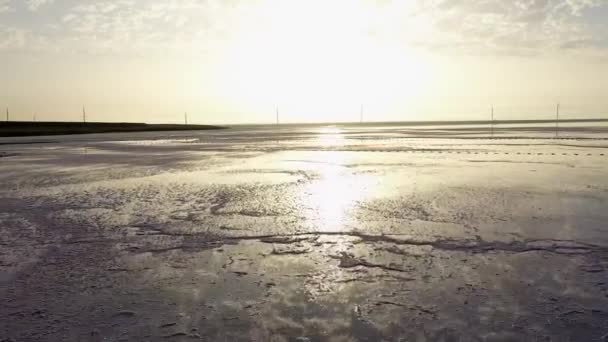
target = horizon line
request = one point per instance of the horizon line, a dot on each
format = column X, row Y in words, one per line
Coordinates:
column 407, row 122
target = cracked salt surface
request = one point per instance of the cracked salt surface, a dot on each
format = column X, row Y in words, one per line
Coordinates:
column 351, row 233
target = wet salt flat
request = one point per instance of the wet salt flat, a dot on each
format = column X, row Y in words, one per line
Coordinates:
column 307, row 233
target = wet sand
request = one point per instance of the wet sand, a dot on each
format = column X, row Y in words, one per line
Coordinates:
column 306, row 234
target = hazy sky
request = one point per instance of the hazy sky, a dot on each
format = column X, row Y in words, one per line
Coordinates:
column 236, row 60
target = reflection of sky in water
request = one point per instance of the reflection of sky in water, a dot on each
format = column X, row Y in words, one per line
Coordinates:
column 336, row 190
column 330, row 136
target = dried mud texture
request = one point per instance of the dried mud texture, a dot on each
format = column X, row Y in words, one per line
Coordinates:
column 305, row 234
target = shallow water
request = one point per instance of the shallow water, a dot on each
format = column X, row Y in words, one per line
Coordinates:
column 306, row 233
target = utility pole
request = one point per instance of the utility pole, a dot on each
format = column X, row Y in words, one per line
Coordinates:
column 277, row 115
column 6, row 114
column 492, row 122
column 186, row 118
column 361, row 119
column 84, row 115
column 557, row 121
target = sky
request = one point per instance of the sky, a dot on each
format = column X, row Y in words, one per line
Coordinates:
column 238, row 61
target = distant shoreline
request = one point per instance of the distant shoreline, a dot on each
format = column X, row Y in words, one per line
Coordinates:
column 428, row 123
column 28, row 128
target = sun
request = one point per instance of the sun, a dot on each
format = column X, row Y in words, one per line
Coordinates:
column 318, row 60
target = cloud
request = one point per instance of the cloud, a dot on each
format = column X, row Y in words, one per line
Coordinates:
column 182, row 26
column 5, row 6
column 576, row 6
column 34, row 5
column 12, row 38
column 584, row 44
column 518, row 27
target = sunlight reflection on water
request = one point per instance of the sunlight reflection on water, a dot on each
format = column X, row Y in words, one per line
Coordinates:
column 331, row 136
column 336, row 190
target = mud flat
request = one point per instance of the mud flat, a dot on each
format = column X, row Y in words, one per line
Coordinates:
column 305, row 234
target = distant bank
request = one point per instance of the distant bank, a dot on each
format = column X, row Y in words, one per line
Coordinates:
column 432, row 123
column 27, row 128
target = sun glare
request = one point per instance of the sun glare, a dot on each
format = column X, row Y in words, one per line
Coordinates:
column 331, row 137
column 319, row 61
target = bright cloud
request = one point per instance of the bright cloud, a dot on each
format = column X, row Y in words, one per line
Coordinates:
column 267, row 48
column 519, row 27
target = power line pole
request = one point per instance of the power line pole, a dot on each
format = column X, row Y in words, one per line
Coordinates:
column 186, row 118
column 492, row 122
column 84, row 115
column 361, row 119
column 557, row 121
column 6, row 114
column 277, row 109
